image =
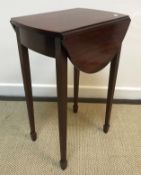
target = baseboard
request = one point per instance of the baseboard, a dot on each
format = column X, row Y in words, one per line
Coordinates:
column 70, row 99
column 85, row 92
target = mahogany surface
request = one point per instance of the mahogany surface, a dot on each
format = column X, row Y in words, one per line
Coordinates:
column 89, row 38
column 94, row 48
column 64, row 21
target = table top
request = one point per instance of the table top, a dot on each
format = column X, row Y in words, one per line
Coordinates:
column 66, row 20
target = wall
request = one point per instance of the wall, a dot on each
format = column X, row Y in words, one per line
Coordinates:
column 43, row 68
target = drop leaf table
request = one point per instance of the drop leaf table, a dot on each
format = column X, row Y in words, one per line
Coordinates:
column 89, row 38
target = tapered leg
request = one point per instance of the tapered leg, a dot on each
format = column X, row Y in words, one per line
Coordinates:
column 111, row 88
column 25, row 67
column 61, row 74
column 76, row 89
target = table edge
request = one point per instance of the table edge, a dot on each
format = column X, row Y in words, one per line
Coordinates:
column 64, row 33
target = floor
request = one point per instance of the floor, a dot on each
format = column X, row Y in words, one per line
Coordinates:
column 90, row 151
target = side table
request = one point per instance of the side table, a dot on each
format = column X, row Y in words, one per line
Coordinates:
column 89, row 38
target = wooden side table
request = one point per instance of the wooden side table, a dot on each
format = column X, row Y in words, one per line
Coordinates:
column 89, row 38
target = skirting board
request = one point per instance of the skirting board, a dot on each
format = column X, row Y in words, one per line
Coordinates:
column 41, row 90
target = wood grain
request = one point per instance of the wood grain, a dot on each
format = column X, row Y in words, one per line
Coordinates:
column 91, row 50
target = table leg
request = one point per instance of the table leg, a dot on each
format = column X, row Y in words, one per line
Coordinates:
column 25, row 67
column 61, row 75
column 111, row 88
column 76, row 89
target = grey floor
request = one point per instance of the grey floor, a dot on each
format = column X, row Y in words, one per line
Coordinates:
column 90, row 151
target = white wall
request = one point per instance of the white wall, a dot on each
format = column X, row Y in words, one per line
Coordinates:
column 43, row 68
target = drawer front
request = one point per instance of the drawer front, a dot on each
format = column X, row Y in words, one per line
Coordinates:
column 38, row 42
